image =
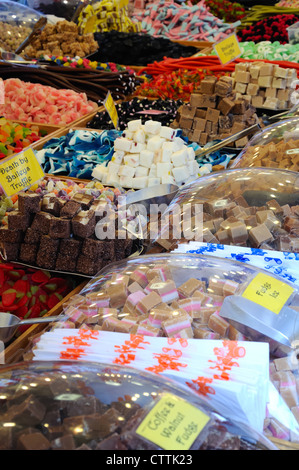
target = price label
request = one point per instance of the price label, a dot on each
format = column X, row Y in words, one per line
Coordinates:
column 228, row 49
column 268, row 292
column 111, row 109
column 173, row 424
column 19, row 172
column 2, row 92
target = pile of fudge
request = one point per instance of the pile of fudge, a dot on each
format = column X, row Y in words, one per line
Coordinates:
column 147, row 301
column 58, row 234
column 46, row 422
column 230, row 220
column 215, row 112
column 265, row 85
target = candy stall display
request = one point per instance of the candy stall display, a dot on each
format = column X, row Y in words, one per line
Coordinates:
column 276, row 146
column 111, row 408
column 246, row 207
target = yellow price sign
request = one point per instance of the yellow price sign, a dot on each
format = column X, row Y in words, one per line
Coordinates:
column 268, row 292
column 111, row 109
column 19, row 172
column 173, row 423
column 228, row 49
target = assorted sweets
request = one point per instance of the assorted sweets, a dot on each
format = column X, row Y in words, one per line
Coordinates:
column 255, row 207
column 12, row 36
column 108, row 406
column 275, row 147
column 15, row 137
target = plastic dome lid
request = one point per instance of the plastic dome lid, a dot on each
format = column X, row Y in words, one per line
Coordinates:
column 71, row 406
column 277, row 146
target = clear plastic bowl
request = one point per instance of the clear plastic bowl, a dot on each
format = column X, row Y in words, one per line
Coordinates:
column 16, row 23
column 69, row 406
column 251, row 207
column 277, row 146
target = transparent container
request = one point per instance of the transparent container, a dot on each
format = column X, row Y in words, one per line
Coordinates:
column 248, row 207
column 277, row 146
column 293, row 33
column 68, row 406
column 16, row 23
column 66, row 9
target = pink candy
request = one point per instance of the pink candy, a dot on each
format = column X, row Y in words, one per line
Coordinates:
column 33, row 102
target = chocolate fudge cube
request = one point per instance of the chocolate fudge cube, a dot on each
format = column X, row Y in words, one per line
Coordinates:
column 10, row 251
column 10, row 236
column 88, row 266
column 60, row 228
column 33, row 441
column 70, row 247
column 16, row 220
column 29, row 202
column 47, row 252
column 92, row 247
column 65, row 263
column 41, row 222
column 84, row 223
column 52, row 205
column 70, row 209
column 32, row 236
column 109, row 250
column 28, row 252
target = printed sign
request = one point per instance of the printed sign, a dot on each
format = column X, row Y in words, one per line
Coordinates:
column 111, row 109
column 228, row 49
column 268, row 292
column 19, row 172
column 173, row 424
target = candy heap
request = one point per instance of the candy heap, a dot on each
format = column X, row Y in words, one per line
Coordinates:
column 264, row 84
column 226, row 10
column 137, row 49
column 58, row 233
column 77, row 153
column 30, row 293
column 182, row 21
column 272, row 29
column 12, row 36
column 107, row 15
column 33, row 102
column 270, row 51
column 288, row 4
column 215, row 112
column 61, row 39
column 163, row 110
column 80, row 63
column 15, row 137
column 147, row 155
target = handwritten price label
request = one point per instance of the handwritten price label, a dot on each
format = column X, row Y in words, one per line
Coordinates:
column 19, row 172
column 111, row 109
column 173, row 424
column 268, row 292
column 228, row 49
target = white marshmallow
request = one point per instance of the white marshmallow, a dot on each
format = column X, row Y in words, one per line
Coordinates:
column 121, row 143
column 191, row 153
column 179, row 158
column 141, row 171
column 155, row 143
column 113, row 167
column 178, row 144
column 146, row 158
column 168, row 179
column 180, row 173
column 126, row 181
column 168, row 132
column 137, row 147
column 134, row 125
column 118, row 156
column 127, row 134
column 163, row 169
column 132, row 159
column 139, row 182
column 139, row 136
column 152, row 127
column 154, row 181
column 153, row 170
column 99, row 171
column 166, row 151
column 112, row 179
column 126, row 170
